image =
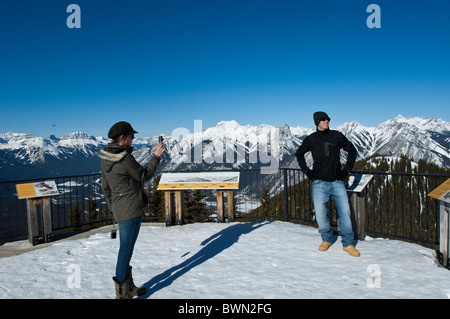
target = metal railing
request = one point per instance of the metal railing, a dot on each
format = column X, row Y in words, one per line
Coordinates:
column 79, row 205
column 396, row 204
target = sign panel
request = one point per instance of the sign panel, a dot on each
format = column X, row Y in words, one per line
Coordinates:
column 38, row 189
column 200, row 180
column 442, row 192
column 357, row 182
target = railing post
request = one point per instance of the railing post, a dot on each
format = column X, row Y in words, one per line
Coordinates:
column 286, row 197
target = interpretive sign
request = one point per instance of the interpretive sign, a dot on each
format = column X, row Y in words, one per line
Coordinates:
column 200, row 180
column 39, row 189
column 357, row 182
column 355, row 186
column 39, row 214
column 177, row 183
column 442, row 192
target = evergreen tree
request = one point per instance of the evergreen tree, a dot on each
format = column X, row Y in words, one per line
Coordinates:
column 155, row 199
column 75, row 217
column 195, row 205
column 92, row 210
column 264, row 200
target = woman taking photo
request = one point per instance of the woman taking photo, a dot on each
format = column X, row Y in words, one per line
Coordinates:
column 122, row 183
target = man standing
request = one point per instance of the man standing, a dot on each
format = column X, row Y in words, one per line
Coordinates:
column 327, row 177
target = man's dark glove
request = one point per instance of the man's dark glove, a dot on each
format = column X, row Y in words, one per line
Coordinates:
column 342, row 175
column 311, row 175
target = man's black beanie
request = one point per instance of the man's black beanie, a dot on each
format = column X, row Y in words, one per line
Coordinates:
column 318, row 116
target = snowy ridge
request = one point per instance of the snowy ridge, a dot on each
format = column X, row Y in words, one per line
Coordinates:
column 34, row 149
column 24, row 156
column 228, row 145
column 415, row 137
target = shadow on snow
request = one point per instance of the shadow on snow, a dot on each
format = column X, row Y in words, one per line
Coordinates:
column 213, row 246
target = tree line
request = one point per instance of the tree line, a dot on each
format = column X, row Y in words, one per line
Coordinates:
column 90, row 216
column 396, row 200
column 396, row 205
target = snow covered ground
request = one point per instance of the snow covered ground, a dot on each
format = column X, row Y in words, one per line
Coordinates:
column 237, row 260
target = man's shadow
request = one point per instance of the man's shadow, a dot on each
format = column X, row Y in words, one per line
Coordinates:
column 213, row 246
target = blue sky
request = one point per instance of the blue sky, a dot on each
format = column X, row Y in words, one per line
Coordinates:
column 163, row 64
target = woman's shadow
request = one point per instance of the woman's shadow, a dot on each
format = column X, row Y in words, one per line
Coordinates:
column 212, row 247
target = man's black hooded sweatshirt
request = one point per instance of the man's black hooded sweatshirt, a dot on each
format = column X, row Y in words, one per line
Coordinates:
column 325, row 148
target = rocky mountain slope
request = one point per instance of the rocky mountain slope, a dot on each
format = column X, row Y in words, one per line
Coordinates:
column 225, row 145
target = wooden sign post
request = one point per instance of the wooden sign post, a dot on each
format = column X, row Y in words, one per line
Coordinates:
column 174, row 209
column 442, row 193
column 221, row 205
column 39, row 214
column 176, row 183
column 355, row 186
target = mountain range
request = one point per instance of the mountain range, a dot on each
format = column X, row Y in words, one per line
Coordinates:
column 225, row 145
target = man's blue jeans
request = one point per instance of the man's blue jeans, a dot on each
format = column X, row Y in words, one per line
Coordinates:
column 321, row 192
column 128, row 233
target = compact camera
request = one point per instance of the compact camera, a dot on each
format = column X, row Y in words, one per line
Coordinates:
column 161, row 139
column 113, row 234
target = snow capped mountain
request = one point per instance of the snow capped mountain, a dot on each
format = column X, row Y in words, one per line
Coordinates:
column 26, row 156
column 415, row 137
column 225, row 145
column 36, row 149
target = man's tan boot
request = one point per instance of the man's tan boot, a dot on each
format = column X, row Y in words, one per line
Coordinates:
column 352, row 251
column 324, row 246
